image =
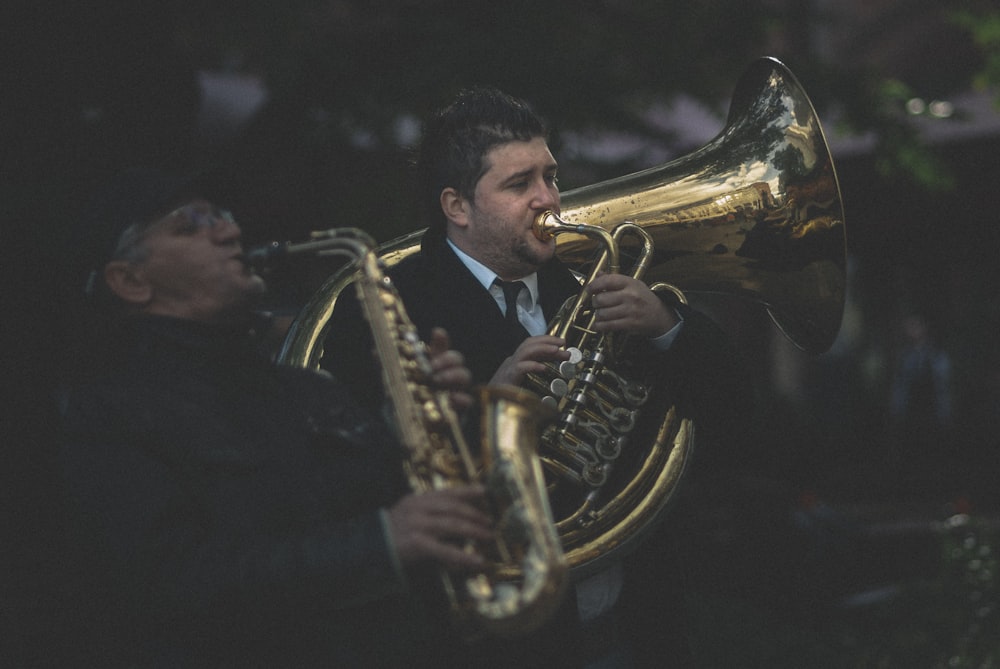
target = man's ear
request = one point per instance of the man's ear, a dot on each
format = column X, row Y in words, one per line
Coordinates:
column 455, row 207
column 126, row 280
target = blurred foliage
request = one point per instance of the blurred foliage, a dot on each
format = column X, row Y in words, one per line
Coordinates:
column 948, row 622
column 876, row 106
column 984, row 27
column 945, row 618
column 348, row 82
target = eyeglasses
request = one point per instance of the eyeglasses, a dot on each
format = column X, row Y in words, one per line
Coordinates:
column 196, row 217
column 186, row 220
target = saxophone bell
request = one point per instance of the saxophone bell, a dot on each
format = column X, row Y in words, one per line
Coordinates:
column 528, row 571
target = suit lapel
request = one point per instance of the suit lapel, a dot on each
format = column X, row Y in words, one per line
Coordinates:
column 555, row 285
column 454, row 299
column 439, row 290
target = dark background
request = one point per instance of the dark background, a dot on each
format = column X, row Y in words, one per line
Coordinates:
column 830, row 539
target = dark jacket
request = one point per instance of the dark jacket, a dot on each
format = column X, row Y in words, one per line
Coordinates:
column 227, row 512
column 437, row 290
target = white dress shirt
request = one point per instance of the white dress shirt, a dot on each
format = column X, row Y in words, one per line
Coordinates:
column 529, row 311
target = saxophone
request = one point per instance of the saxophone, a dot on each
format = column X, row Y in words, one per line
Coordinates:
column 526, row 574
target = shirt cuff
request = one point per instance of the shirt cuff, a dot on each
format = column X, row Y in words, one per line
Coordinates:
column 666, row 340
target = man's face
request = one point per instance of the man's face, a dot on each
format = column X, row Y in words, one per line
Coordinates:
column 194, row 266
column 519, row 184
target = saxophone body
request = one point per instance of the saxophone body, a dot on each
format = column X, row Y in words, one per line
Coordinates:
column 525, row 579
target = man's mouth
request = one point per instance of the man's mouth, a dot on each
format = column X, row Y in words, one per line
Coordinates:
column 242, row 259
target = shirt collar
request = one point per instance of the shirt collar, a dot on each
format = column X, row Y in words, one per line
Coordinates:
column 486, row 276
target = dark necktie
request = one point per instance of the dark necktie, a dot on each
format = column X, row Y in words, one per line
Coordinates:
column 511, row 290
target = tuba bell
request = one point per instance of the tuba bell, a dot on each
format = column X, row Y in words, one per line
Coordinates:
column 756, row 213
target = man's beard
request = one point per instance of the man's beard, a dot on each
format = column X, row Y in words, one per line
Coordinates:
column 529, row 255
column 511, row 254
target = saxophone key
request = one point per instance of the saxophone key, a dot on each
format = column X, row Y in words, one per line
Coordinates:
column 567, row 369
column 558, row 388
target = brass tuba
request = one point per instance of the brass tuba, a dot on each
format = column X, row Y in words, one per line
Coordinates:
column 527, row 543
column 756, row 213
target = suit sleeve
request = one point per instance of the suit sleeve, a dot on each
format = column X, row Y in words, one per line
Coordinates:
column 151, row 531
column 713, row 387
column 348, row 352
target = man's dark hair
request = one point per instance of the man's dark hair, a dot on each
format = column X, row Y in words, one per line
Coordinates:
column 457, row 138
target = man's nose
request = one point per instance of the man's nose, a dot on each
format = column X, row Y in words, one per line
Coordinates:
column 225, row 228
column 546, row 196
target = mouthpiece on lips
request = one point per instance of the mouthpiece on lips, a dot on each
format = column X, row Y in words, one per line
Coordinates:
column 262, row 255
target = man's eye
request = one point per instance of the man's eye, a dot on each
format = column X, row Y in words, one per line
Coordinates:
column 186, row 227
column 190, row 224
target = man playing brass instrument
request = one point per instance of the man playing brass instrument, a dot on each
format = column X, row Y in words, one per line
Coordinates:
column 226, row 511
column 485, row 173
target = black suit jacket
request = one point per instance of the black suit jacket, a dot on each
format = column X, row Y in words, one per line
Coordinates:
column 225, row 512
column 437, row 290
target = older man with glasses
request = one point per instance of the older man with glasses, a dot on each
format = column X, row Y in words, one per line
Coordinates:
column 227, row 511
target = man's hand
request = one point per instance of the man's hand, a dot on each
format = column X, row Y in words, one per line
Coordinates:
column 530, row 357
column 625, row 304
column 449, row 370
column 434, row 526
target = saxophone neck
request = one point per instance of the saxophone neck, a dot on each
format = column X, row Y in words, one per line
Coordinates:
column 352, row 242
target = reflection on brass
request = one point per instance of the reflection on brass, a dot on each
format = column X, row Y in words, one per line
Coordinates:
column 756, row 213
